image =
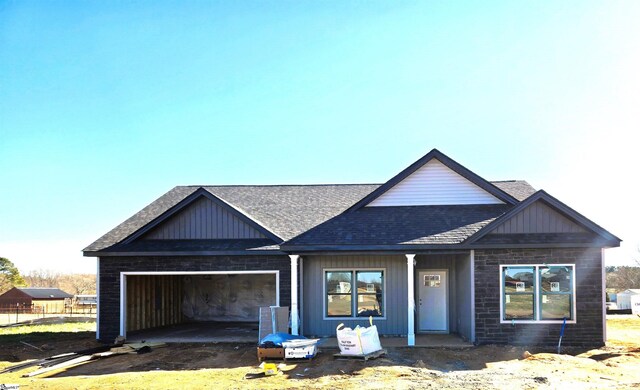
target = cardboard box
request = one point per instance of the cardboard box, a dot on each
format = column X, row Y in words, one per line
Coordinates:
column 306, row 352
column 270, row 353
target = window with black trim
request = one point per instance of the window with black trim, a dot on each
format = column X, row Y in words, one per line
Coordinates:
column 343, row 300
column 538, row 292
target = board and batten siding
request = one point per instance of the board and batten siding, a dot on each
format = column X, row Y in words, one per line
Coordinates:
column 434, row 184
column 464, row 284
column 395, row 296
column 203, row 219
column 538, row 218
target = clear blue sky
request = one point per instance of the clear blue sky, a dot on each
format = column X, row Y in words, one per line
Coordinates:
column 104, row 106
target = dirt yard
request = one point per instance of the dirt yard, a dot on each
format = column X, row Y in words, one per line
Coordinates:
column 224, row 366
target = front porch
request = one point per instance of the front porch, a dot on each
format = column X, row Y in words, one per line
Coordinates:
column 423, row 299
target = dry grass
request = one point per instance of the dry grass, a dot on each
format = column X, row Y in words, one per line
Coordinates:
column 623, row 330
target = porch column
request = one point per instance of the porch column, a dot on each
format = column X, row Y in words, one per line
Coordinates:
column 411, row 303
column 294, row 293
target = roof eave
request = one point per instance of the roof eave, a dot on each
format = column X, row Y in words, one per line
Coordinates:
column 432, row 247
column 184, row 253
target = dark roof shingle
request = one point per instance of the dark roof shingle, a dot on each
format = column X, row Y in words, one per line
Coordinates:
column 44, row 292
column 285, row 210
column 519, row 189
column 406, row 225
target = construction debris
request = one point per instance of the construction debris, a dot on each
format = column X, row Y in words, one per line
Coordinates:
column 31, row 345
column 67, row 360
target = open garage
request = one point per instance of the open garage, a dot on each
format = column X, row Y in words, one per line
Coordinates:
column 208, row 305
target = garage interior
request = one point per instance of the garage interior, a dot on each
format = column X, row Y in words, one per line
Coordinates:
column 212, row 307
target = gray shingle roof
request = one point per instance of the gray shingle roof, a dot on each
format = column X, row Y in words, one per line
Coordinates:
column 406, row 225
column 141, row 218
column 519, row 189
column 45, row 293
column 290, row 210
column 285, row 210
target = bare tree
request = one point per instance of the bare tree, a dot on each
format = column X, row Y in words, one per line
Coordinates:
column 625, row 277
column 43, row 278
column 78, row 284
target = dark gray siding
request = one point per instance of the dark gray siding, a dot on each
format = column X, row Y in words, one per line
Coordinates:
column 538, row 218
column 110, row 268
column 464, row 302
column 203, row 219
column 312, row 308
column 586, row 332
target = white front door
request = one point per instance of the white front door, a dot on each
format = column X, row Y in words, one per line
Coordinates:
column 432, row 301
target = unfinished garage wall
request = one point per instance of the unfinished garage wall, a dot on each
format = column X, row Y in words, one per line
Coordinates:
column 153, row 301
column 111, row 267
column 227, row 297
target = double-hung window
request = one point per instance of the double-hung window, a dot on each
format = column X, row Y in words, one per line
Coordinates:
column 532, row 293
column 354, row 293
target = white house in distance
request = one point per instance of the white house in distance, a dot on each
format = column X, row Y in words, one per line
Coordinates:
column 629, row 299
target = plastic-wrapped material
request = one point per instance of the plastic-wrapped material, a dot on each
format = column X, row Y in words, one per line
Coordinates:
column 227, row 297
column 276, row 339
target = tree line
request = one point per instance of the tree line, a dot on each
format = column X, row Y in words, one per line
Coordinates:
column 75, row 284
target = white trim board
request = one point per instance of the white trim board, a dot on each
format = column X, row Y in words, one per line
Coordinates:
column 472, row 260
column 123, row 286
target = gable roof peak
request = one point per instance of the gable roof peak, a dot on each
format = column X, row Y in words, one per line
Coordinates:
column 543, row 196
column 448, row 162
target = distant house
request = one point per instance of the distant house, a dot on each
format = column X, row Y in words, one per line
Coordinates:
column 50, row 300
column 436, row 249
column 629, row 300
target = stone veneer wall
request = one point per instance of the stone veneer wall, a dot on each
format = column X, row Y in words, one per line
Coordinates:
column 586, row 332
column 110, row 268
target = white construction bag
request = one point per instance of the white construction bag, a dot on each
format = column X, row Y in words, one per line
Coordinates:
column 358, row 341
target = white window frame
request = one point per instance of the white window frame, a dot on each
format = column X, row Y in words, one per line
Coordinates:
column 354, row 309
column 536, row 294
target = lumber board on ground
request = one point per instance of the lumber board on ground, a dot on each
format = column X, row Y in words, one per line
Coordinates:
column 67, row 363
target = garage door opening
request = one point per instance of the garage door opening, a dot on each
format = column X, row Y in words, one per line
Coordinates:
column 195, row 306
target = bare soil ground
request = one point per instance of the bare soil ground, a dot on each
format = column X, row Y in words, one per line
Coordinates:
column 224, row 366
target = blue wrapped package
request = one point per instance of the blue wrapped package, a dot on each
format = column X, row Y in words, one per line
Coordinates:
column 276, row 339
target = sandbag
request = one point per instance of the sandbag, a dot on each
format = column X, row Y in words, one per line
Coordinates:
column 358, row 341
column 348, row 341
column 369, row 339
